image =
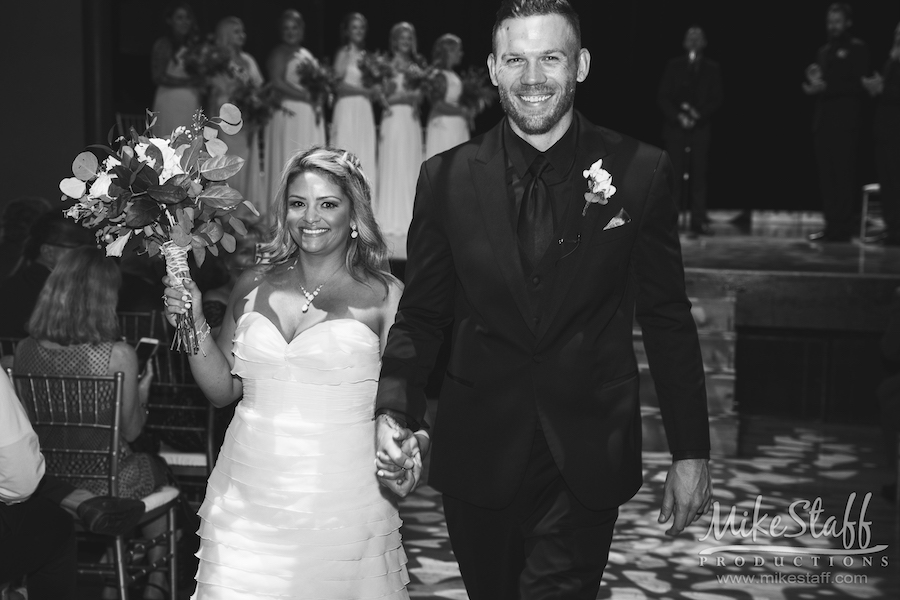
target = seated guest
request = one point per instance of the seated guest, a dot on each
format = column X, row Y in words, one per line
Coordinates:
column 37, row 538
column 74, row 330
column 50, row 238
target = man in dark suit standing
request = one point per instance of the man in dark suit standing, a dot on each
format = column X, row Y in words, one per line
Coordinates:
column 690, row 92
column 835, row 79
column 540, row 242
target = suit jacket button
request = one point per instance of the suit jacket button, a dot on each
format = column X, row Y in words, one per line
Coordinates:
column 538, row 358
column 536, row 280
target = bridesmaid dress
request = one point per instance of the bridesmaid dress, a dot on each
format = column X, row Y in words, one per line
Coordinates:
column 291, row 130
column 174, row 105
column 245, row 143
column 446, row 131
column 399, row 161
column 353, row 120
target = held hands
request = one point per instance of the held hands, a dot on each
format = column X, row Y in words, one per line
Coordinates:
column 179, row 301
column 687, row 494
column 398, row 455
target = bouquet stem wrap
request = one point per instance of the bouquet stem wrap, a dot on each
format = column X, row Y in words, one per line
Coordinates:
column 185, row 337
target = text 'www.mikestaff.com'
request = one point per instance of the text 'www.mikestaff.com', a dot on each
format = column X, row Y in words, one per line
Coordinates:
column 776, row 578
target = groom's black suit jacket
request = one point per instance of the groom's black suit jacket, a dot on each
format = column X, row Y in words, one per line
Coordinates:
column 574, row 373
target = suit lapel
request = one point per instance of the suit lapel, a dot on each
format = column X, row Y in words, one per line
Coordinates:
column 569, row 262
column 489, row 175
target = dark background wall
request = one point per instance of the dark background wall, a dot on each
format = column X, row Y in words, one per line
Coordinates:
column 94, row 60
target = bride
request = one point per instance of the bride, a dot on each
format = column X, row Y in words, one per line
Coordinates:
column 293, row 508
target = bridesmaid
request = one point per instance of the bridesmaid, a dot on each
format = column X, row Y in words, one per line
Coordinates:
column 177, row 94
column 448, row 122
column 400, row 143
column 243, row 71
column 353, row 120
column 301, row 124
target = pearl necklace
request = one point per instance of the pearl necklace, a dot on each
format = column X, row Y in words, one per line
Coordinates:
column 309, row 297
column 312, row 296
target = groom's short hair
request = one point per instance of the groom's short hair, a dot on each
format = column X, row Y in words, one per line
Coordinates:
column 512, row 9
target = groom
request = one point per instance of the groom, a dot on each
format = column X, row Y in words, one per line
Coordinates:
column 541, row 263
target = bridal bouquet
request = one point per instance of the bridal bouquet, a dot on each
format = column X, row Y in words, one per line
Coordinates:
column 166, row 195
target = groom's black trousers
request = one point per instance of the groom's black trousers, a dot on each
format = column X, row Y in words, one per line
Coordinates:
column 544, row 545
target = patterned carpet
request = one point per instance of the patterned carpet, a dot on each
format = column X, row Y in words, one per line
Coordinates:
column 780, row 464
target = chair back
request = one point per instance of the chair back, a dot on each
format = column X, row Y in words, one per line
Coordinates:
column 76, row 418
column 8, row 346
column 135, row 325
column 183, row 420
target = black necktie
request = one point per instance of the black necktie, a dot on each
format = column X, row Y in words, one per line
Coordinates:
column 535, row 226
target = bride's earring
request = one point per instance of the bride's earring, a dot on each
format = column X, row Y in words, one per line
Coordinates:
column 353, row 232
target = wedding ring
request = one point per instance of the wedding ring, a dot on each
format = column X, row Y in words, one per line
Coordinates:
column 165, row 300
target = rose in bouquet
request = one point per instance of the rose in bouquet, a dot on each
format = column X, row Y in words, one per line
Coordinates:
column 167, row 196
column 206, row 59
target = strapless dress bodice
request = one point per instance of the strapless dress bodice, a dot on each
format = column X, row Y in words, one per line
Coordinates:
column 335, row 351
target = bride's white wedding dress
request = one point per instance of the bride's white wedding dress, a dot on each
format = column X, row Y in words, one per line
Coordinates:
column 293, row 508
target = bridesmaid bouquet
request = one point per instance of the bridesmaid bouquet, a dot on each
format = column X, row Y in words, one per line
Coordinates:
column 478, row 93
column 257, row 104
column 318, row 79
column 376, row 68
column 206, row 59
column 377, row 73
column 166, row 195
column 419, row 76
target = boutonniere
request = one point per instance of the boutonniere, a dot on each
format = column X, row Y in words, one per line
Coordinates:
column 600, row 187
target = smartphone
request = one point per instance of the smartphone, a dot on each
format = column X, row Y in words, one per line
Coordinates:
column 145, row 348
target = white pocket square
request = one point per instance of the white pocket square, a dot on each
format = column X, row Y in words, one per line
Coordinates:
column 620, row 219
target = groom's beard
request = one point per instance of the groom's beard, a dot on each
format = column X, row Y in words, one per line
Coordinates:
column 540, row 123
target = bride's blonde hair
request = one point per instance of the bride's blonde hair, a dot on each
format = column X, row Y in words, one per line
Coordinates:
column 367, row 254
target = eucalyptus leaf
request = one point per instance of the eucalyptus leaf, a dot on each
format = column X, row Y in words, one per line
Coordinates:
column 216, row 147
column 143, row 211
column 72, row 187
column 252, row 208
column 228, row 242
column 152, row 248
column 214, row 230
column 180, row 237
column 230, row 120
column 85, row 166
column 237, row 225
column 199, row 254
column 220, row 168
column 167, row 193
column 210, row 133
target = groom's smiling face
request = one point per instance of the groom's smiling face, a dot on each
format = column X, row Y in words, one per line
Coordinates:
column 535, row 65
